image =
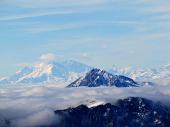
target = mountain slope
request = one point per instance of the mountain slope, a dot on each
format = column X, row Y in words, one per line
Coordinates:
column 66, row 71
column 129, row 112
column 97, row 77
column 140, row 74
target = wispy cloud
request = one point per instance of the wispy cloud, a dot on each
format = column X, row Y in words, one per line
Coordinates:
column 54, row 3
column 41, row 28
column 124, row 24
column 48, row 57
column 33, row 14
column 48, row 8
column 159, row 7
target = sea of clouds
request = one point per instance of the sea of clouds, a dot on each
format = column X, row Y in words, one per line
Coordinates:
column 30, row 106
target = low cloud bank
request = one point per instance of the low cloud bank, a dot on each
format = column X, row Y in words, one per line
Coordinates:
column 31, row 106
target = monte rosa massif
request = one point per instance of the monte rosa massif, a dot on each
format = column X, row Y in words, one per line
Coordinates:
column 69, row 72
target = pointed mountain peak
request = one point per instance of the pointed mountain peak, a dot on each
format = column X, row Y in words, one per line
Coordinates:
column 97, row 77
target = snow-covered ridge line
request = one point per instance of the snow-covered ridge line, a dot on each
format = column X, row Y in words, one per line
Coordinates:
column 68, row 71
column 140, row 74
column 51, row 72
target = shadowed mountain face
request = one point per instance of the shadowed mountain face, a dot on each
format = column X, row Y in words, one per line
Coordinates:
column 130, row 112
column 97, row 77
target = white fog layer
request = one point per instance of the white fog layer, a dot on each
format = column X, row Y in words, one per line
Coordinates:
column 22, row 104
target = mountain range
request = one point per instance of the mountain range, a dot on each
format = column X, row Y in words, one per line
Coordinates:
column 143, row 74
column 66, row 72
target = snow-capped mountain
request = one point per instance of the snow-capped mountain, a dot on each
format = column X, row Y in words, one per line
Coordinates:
column 129, row 112
column 69, row 71
column 140, row 74
column 97, row 77
column 51, row 72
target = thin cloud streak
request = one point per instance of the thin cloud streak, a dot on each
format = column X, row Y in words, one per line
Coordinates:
column 138, row 25
column 41, row 28
column 33, row 15
column 54, row 3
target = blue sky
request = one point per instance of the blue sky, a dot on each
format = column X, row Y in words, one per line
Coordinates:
column 97, row 32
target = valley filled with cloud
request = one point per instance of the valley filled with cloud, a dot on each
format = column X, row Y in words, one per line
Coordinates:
column 32, row 106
